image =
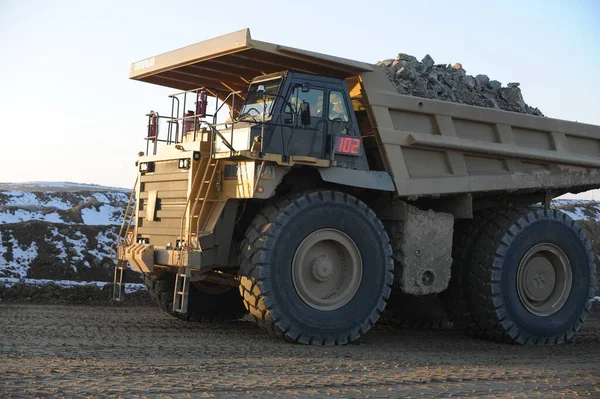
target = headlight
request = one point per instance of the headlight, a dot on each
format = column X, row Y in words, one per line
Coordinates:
column 147, row 167
column 184, row 163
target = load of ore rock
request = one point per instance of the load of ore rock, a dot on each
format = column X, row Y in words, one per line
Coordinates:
column 451, row 83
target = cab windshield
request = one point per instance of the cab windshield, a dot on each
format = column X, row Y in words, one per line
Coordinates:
column 257, row 102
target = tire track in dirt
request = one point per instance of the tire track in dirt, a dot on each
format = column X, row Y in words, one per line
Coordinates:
column 79, row 351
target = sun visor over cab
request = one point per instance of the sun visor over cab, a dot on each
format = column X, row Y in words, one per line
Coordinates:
column 230, row 62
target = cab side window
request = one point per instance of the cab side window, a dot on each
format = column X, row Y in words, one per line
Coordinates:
column 337, row 107
column 314, row 97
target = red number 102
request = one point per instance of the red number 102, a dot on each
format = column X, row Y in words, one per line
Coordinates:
column 349, row 145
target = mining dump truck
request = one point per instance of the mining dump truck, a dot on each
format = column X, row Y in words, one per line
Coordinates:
column 301, row 188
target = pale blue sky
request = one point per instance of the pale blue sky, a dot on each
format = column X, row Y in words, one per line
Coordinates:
column 69, row 112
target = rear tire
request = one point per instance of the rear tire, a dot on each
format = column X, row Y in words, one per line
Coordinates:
column 456, row 299
column 532, row 277
column 219, row 305
column 298, row 249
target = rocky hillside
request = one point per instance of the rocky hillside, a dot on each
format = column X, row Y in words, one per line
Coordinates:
column 59, row 231
column 448, row 82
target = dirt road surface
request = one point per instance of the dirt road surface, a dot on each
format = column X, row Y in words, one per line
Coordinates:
column 87, row 351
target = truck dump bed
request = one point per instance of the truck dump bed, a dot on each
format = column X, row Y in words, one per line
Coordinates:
column 436, row 147
column 429, row 147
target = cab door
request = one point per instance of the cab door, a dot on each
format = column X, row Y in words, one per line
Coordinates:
column 344, row 144
column 304, row 140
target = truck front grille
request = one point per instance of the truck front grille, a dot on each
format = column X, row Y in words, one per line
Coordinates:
column 171, row 185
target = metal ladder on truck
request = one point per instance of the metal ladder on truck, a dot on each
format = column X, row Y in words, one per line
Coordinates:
column 204, row 206
column 121, row 265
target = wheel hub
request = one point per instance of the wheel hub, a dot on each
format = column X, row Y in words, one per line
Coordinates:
column 540, row 279
column 544, row 279
column 322, row 268
column 327, row 269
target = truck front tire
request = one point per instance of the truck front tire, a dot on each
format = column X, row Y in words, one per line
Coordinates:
column 532, row 277
column 316, row 268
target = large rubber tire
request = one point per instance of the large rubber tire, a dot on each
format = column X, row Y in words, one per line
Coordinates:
column 499, row 253
column 267, row 254
column 202, row 307
column 456, row 299
column 419, row 312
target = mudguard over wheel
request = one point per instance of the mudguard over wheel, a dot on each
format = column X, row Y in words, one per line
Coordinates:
column 205, row 303
column 532, row 277
column 316, row 268
column 410, row 311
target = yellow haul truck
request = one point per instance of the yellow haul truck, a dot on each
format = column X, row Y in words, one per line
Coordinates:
column 303, row 189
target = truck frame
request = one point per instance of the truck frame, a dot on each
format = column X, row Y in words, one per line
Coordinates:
column 303, row 189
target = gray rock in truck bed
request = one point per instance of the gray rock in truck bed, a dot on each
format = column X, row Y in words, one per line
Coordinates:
column 451, row 83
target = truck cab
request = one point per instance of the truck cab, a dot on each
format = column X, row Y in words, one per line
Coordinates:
column 194, row 177
column 295, row 114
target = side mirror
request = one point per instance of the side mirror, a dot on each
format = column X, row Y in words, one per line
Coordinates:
column 305, row 113
column 305, row 87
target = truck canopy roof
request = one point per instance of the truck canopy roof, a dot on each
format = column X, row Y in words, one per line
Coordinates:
column 231, row 61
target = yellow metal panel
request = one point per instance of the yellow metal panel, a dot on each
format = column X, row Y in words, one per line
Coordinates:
column 165, row 177
column 167, row 194
column 230, row 61
column 151, row 205
column 159, row 230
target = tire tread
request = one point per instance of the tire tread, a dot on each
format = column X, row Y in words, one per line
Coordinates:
column 489, row 318
column 257, row 250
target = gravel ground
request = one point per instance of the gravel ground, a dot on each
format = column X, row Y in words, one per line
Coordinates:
column 107, row 351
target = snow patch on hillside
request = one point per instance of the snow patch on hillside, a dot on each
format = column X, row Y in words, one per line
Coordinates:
column 576, row 214
column 57, row 186
column 2, row 250
column 579, row 209
column 103, row 216
column 25, row 199
column 22, row 256
column 105, row 240
column 103, row 208
column 22, row 215
column 58, row 244
column 79, row 245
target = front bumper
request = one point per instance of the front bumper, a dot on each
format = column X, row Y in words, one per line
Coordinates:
column 143, row 257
